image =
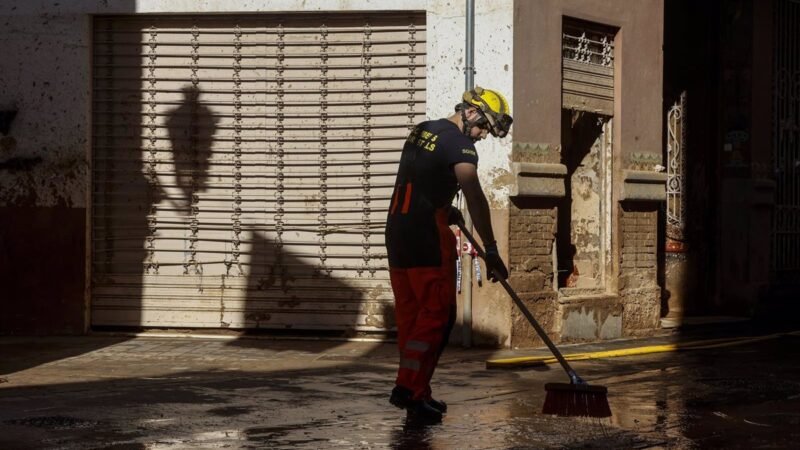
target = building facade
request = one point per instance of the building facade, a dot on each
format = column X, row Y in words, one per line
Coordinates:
column 228, row 164
column 218, row 164
column 732, row 234
column 588, row 87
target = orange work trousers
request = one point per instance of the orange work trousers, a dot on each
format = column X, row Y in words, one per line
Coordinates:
column 425, row 310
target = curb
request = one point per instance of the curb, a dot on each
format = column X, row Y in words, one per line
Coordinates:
column 537, row 361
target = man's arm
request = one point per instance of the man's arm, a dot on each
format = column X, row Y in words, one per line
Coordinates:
column 467, row 176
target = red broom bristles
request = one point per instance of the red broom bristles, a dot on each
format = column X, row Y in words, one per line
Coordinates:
column 564, row 399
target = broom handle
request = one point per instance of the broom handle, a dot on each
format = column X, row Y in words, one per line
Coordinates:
column 574, row 378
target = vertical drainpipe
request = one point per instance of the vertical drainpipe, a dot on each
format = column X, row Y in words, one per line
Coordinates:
column 469, row 80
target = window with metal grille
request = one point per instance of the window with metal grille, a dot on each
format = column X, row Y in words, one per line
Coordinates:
column 587, row 51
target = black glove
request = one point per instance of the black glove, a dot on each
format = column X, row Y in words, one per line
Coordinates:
column 454, row 216
column 494, row 265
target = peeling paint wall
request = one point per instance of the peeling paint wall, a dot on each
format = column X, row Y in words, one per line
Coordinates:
column 590, row 321
column 44, row 163
column 46, row 79
column 493, row 69
column 582, row 260
column 586, row 220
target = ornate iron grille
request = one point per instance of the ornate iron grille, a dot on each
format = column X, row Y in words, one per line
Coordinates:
column 676, row 167
column 588, row 43
column 786, row 143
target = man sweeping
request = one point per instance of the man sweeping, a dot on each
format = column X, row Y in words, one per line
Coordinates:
column 438, row 159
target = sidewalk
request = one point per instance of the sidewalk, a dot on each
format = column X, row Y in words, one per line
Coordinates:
column 165, row 351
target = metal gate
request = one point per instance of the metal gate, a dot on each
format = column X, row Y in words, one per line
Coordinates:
column 676, row 173
column 242, row 167
column 786, row 141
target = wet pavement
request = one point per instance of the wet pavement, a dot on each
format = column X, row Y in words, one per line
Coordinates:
column 168, row 392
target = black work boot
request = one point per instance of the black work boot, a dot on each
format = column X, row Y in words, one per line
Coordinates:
column 422, row 413
column 401, row 397
column 438, row 405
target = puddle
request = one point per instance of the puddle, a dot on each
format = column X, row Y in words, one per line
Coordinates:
column 54, row 422
column 229, row 411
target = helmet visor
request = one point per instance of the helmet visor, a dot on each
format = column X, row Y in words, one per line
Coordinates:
column 503, row 125
column 500, row 124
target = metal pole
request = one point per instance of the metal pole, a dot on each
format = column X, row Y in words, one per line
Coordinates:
column 469, row 81
column 469, row 58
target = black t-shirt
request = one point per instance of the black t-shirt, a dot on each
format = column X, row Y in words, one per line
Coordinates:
column 425, row 182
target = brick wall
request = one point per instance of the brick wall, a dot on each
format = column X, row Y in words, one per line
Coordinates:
column 639, row 242
column 638, row 279
column 530, row 245
column 530, row 257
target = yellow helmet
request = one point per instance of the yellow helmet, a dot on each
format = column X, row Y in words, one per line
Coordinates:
column 493, row 106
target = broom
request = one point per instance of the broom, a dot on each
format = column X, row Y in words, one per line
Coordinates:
column 576, row 398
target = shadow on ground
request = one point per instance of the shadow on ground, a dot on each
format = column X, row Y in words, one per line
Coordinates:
column 21, row 353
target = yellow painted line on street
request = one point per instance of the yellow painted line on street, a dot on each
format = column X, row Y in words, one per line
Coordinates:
column 533, row 361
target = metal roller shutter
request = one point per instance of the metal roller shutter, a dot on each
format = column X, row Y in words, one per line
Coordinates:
column 242, row 167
